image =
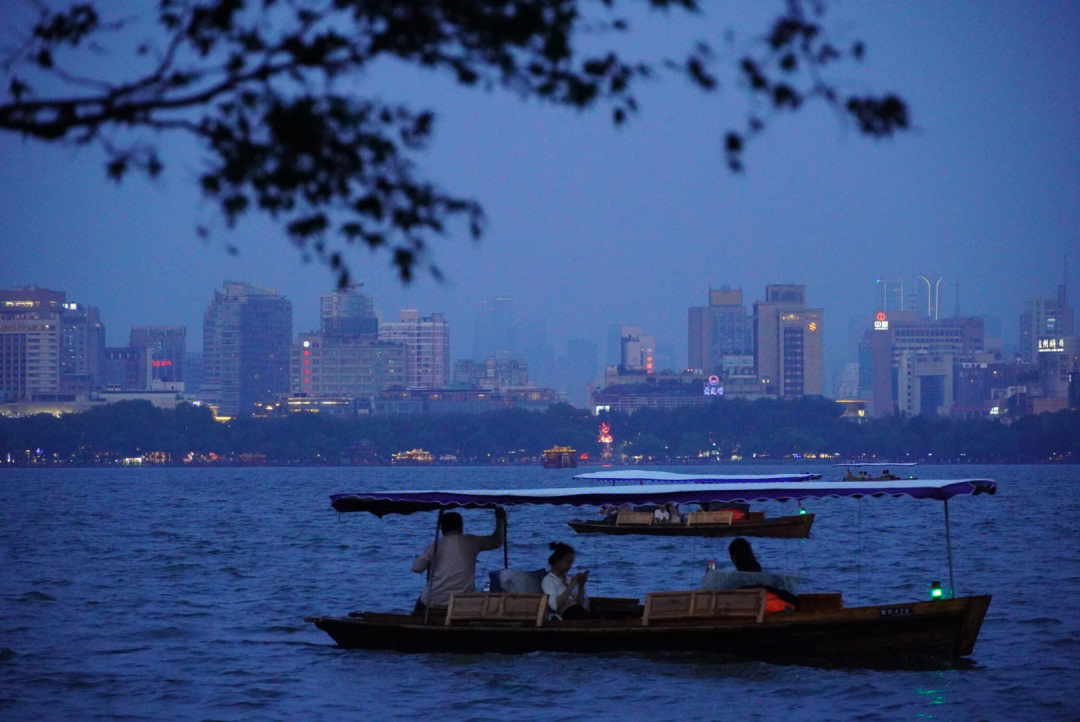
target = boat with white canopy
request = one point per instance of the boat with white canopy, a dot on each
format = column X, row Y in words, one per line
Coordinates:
column 820, row 629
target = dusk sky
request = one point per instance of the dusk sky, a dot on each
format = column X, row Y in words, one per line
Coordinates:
column 590, row 225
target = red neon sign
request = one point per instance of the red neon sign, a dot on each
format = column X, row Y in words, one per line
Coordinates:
column 159, row 364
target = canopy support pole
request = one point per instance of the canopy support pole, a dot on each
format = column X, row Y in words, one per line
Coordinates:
column 506, row 544
column 431, row 565
column 948, row 546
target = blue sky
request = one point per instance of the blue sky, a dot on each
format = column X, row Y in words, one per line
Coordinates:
column 591, row 225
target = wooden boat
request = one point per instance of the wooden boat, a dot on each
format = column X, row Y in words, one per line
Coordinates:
column 820, row 630
column 715, row 523
column 700, row 523
column 880, row 470
column 915, row 633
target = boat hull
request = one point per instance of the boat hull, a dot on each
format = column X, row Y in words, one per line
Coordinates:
column 782, row 527
column 875, row 636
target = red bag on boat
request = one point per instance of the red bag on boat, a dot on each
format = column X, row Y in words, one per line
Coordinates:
column 773, row 604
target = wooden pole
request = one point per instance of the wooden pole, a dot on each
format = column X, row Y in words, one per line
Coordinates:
column 948, row 545
column 431, row 565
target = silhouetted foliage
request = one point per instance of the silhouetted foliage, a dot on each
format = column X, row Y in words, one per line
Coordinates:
column 768, row 428
column 273, row 92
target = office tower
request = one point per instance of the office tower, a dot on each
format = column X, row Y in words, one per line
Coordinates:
column 193, row 374
column 82, row 348
column 166, row 351
column 719, row 331
column 636, row 350
column 427, row 347
column 493, row 374
column 127, row 368
column 247, row 342
column 356, row 368
column 1044, row 318
column 30, row 343
column 494, row 331
column 909, row 362
column 582, row 369
column 787, row 342
column 348, row 313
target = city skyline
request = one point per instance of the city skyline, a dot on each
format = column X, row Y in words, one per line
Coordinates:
column 591, row 226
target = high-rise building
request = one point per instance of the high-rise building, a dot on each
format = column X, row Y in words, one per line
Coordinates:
column 637, row 351
column 581, row 369
column 127, row 368
column 1044, row 318
column 247, row 343
column 356, row 368
column 348, row 313
column 718, row 331
column 908, row 361
column 495, row 331
column 82, row 348
column 493, row 374
column 166, row 350
column 788, row 354
column 30, row 343
column 427, row 347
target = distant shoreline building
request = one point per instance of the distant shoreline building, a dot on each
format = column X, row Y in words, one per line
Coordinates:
column 788, row 355
column 427, row 347
column 247, row 342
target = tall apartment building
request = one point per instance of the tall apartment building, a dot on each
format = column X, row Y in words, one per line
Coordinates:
column 356, row 368
column 427, row 347
column 166, row 351
column 30, row 343
column 348, row 313
column 720, row 331
column 1045, row 318
column 247, row 343
column 788, row 357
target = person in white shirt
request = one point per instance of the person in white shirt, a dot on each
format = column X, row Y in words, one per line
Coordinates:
column 454, row 569
column 566, row 595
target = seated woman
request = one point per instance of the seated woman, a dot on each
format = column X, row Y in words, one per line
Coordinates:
column 566, row 596
column 776, row 598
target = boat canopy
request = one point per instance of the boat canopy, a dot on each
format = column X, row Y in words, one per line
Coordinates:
column 663, row 477
column 408, row 502
column 865, row 464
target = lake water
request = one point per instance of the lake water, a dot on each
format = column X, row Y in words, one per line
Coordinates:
column 180, row 594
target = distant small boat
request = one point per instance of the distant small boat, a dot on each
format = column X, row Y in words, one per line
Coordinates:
column 867, row 470
column 559, row 457
column 700, row 523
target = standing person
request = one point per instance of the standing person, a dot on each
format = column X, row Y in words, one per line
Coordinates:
column 454, row 569
column 566, row 596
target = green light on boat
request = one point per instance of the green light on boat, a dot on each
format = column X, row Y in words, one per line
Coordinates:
column 801, row 510
column 935, row 590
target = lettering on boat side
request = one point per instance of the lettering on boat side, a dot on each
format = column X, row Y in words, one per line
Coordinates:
column 895, row 611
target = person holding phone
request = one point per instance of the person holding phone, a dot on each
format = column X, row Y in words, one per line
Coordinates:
column 566, row 595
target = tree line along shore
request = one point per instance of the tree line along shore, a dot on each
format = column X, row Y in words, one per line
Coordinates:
column 729, row 430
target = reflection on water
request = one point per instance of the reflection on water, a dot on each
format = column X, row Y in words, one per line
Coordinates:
column 180, row 594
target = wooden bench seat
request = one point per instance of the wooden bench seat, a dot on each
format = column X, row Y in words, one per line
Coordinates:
column 640, row 518
column 518, row 609
column 709, row 517
column 698, row 604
